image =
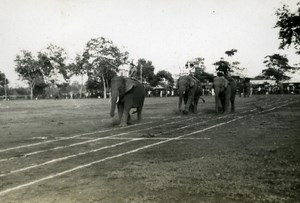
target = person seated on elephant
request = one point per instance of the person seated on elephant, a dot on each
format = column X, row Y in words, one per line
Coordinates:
column 191, row 71
column 133, row 71
column 224, row 69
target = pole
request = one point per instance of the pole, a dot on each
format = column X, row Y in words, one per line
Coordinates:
column 141, row 73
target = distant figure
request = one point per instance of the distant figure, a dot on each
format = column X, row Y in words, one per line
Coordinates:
column 251, row 92
column 258, row 90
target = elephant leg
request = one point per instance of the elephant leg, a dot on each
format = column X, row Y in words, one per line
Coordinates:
column 191, row 109
column 128, row 117
column 139, row 113
column 222, row 104
column 120, row 111
column 232, row 105
column 217, row 103
column 188, row 104
column 227, row 98
column 195, row 106
column 125, row 116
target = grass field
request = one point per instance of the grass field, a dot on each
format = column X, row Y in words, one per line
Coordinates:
column 70, row 151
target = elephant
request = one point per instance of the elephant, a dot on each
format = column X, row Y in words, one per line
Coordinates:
column 190, row 90
column 126, row 93
column 224, row 93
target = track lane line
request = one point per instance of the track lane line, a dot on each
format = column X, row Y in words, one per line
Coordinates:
column 76, row 136
column 132, row 151
column 90, row 140
column 107, row 137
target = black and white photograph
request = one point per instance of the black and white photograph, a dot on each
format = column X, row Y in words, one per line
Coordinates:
column 149, row 101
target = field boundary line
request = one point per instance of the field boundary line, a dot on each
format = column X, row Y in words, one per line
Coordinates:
column 132, row 151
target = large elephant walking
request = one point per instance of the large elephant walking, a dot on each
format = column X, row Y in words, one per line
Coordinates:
column 189, row 90
column 126, row 93
column 224, row 94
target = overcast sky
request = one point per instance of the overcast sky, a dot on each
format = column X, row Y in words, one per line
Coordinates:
column 166, row 32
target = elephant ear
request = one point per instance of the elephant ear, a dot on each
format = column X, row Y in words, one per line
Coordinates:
column 129, row 84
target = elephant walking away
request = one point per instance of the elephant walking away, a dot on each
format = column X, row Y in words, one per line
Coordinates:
column 224, row 94
column 189, row 90
column 126, row 93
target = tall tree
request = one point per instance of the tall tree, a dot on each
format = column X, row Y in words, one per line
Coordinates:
column 277, row 67
column 147, row 70
column 3, row 83
column 28, row 69
column 289, row 27
column 53, row 63
column 200, row 70
column 3, row 79
column 103, row 58
column 79, row 68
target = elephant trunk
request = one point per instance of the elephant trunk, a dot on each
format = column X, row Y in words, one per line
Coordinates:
column 180, row 101
column 217, row 102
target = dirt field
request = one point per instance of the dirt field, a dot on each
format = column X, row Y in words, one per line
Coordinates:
column 69, row 151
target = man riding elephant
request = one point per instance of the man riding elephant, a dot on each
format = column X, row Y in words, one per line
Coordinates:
column 224, row 69
column 224, row 87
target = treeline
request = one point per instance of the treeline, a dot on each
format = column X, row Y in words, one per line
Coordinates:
column 49, row 71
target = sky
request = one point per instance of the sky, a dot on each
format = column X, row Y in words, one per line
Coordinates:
column 166, row 32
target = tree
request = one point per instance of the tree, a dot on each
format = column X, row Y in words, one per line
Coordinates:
column 40, row 87
column 289, row 27
column 236, row 69
column 231, row 52
column 103, row 59
column 200, row 68
column 28, row 69
column 3, row 80
column 277, row 67
column 53, row 66
column 164, row 78
column 52, row 61
column 3, row 83
column 147, row 70
column 79, row 68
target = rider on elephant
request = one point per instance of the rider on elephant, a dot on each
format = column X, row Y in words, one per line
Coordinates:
column 191, row 71
column 133, row 71
column 224, row 69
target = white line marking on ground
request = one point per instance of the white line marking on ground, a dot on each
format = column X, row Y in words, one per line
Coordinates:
column 77, row 136
column 71, row 137
column 129, row 152
column 64, row 158
column 97, row 139
column 158, row 138
column 93, row 140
